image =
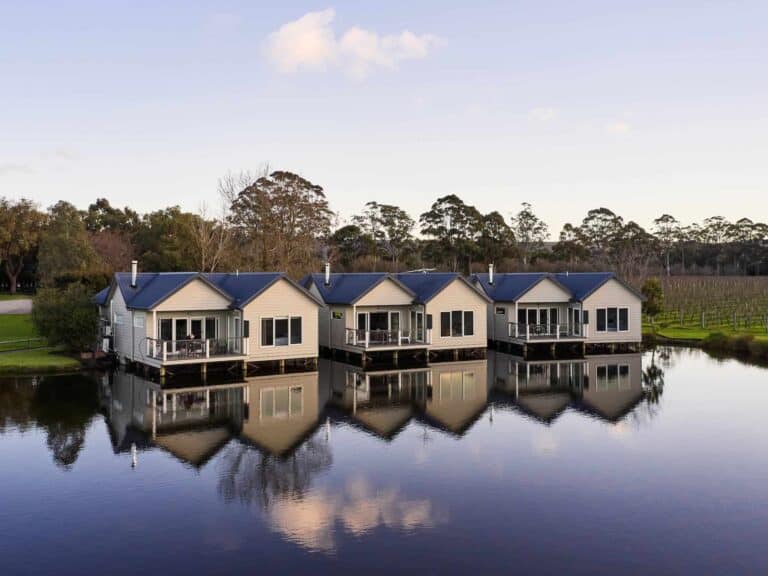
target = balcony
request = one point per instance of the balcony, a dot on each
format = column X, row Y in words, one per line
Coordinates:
column 547, row 332
column 187, row 351
column 386, row 338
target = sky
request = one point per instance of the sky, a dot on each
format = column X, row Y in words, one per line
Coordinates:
column 641, row 107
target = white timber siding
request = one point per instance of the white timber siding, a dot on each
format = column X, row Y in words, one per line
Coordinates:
column 196, row 295
column 121, row 332
column 386, row 293
column 459, row 296
column 283, row 300
column 609, row 295
column 545, row 291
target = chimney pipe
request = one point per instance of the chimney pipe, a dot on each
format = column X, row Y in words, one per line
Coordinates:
column 490, row 273
column 327, row 273
column 134, row 272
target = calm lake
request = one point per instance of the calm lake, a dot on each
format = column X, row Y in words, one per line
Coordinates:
column 653, row 463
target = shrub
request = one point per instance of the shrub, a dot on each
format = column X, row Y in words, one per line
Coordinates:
column 66, row 317
column 654, row 296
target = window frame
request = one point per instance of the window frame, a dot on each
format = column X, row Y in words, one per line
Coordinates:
column 272, row 321
column 450, row 314
column 605, row 312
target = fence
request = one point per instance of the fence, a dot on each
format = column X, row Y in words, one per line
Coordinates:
column 22, row 344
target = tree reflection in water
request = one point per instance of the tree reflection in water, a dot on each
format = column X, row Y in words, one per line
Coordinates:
column 248, row 475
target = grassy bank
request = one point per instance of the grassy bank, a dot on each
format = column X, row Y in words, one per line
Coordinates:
column 6, row 296
column 751, row 343
column 42, row 360
column 37, row 361
column 16, row 327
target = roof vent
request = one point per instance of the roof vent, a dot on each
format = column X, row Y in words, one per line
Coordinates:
column 327, row 273
column 134, row 272
column 490, row 273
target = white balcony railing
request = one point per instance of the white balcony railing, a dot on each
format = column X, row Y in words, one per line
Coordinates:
column 546, row 331
column 370, row 338
column 169, row 350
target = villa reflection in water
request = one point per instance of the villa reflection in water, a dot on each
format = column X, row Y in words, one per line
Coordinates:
column 276, row 415
column 272, row 435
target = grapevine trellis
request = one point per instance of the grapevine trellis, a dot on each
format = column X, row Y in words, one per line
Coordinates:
column 734, row 302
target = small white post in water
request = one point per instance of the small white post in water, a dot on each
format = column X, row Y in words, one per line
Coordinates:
column 134, row 456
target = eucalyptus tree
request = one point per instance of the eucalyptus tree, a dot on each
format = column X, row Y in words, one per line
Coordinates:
column 497, row 241
column 666, row 230
column 65, row 249
column 530, row 233
column 20, row 227
column 390, row 228
column 453, row 228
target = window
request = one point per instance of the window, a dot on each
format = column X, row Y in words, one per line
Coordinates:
column 267, row 332
column 623, row 319
column 118, row 318
column 501, row 311
column 613, row 376
column 554, row 316
column 166, row 329
column 338, row 314
column 456, row 323
column 601, row 320
column 246, row 328
column 544, row 316
column 281, row 331
column 282, row 402
column 429, row 321
column 138, row 319
column 612, row 319
column 585, row 317
column 469, row 323
column 210, row 328
column 296, row 330
column 445, row 324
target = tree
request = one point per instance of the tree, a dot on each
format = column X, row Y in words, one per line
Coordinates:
column 20, row 226
column 390, row 228
column 497, row 241
column 454, row 228
column 281, row 220
column 101, row 216
column 530, row 233
column 598, row 232
column 163, row 242
column 570, row 247
column 210, row 239
column 64, row 245
column 667, row 231
column 654, row 298
column 350, row 243
column 66, row 317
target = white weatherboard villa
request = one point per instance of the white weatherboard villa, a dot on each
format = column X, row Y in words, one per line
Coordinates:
column 432, row 313
column 162, row 320
column 594, row 309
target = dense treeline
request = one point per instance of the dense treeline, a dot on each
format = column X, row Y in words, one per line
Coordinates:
column 281, row 221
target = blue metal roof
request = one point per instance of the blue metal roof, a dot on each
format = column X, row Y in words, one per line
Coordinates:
column 346, row 288
column 509, row 287
column 426, row 284
column 154, row 287
column 582, row 284
column 101, row 297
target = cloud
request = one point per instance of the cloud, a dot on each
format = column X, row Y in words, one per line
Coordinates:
column 543, row 114
column 311, row 43
column 618, row 128
column 16, row 168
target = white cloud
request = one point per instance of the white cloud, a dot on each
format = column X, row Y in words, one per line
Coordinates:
column 618, row 128
column 311, row 43
column 543, row 114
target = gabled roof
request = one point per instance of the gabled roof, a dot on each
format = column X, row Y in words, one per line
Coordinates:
column 509, row 287
column 583, row 284
column 152, row 288
column 101, row 297
column 348, row 288
column 427, row 285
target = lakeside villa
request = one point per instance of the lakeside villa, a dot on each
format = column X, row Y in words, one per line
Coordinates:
column 580, row 312
column 162, row 321
column 263, row 320
column 426, row 315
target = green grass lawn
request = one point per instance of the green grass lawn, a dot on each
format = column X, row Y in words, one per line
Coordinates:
column 698, row 333
column 42, row 360
column 16, row 326
column 6, row 296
